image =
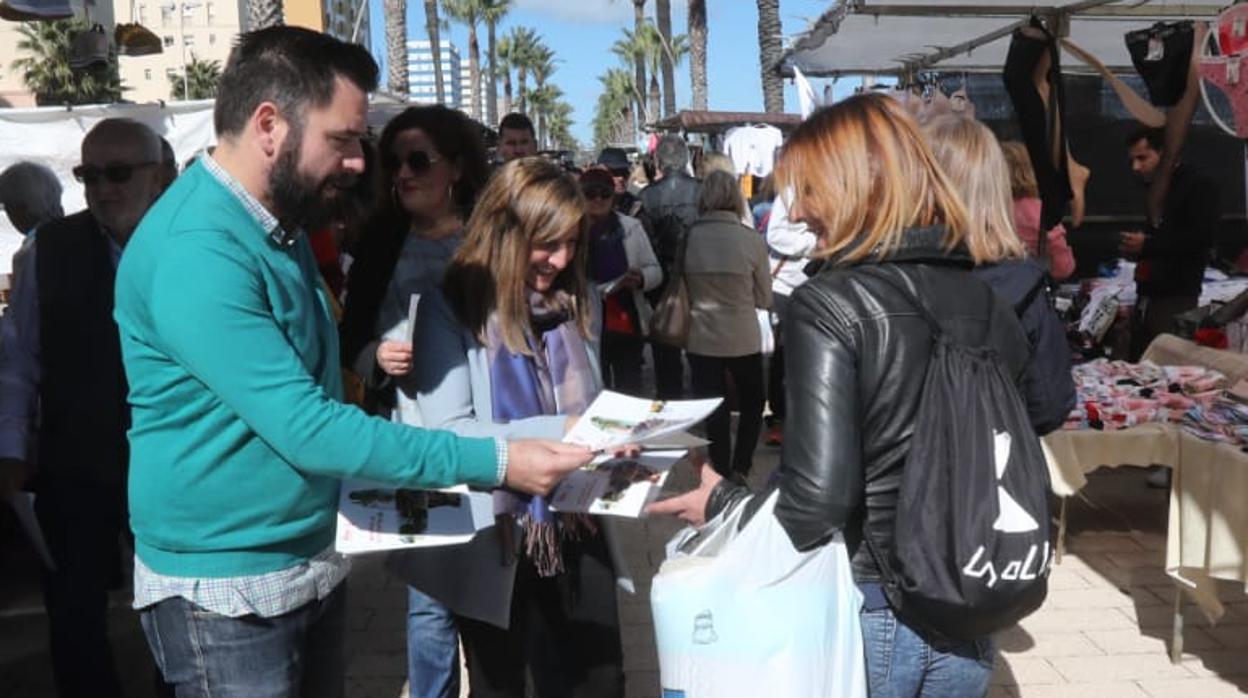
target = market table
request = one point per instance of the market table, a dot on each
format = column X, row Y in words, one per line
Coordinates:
column 1207, row 529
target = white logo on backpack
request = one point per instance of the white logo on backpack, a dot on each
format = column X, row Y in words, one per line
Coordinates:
column 1011, row 518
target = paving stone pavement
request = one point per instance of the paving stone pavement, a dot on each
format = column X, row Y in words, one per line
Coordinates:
column 1102, row 632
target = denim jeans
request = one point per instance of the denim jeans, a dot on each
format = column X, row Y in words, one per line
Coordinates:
column 205, row 654
column 432, row 648
column 903, row 664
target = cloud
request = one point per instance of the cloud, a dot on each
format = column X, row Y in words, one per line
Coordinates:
column 599, row 11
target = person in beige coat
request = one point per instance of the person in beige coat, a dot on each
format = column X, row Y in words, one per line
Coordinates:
column 728, row 277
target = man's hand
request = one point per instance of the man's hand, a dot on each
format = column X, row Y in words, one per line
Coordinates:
column 395, row 358
column 632, row 279
column 690, row 507
column 1131, row 244
column 536, row 466
column 13, row 474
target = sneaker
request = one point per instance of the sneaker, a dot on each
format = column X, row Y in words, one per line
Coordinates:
column 775, row 435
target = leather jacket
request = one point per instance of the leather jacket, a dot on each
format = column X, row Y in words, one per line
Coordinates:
column 669, row 208
column 856, row 353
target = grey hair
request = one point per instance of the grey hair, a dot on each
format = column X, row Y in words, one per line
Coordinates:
column 672, row 153
column 32, row 187
column 719, row 192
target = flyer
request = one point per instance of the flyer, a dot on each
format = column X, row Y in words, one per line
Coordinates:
column 374, row 517
column 615, row 486
column 615, row 419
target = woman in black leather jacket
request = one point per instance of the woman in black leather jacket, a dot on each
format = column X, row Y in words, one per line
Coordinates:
column 867, row 184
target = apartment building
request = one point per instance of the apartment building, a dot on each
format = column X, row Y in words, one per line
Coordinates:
column 421, row 82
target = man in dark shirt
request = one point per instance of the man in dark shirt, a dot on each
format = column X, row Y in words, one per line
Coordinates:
column 1171, row 258
column 668, row 208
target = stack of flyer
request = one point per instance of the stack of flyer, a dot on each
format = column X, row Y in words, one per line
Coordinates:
column 374, row 517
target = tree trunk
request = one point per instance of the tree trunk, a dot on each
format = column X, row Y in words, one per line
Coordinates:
column 506, row 95
column 521, row 78
column 264, row 13
column 396, row 47
column 663, row 10
column 491, row 97
column 639, row 59
column 697, row 53
column 431, row 26
column 474, row 73
column 653, row 98
column 769, row 54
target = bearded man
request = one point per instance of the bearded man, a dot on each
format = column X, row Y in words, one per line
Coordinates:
column 240, row 437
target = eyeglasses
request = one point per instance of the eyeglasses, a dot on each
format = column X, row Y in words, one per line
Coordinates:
column 117, row 172
column 598, row 193
column 418, row 161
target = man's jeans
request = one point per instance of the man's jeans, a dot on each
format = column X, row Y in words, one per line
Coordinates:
column 206, row 654
column 902, row 664
column 432, row 648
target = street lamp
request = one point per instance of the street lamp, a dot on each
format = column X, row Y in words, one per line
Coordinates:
column 182, row 8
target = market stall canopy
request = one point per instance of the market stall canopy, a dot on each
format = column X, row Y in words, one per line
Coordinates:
column 719, row 121
column 862, row 37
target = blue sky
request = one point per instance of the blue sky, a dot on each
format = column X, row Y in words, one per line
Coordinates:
column 581, row 33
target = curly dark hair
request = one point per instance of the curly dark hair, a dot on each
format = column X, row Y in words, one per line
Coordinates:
column 457, row 139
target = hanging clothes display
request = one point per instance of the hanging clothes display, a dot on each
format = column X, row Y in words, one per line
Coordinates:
column 1161, row 55
column 1042, row 124
column 753, row 148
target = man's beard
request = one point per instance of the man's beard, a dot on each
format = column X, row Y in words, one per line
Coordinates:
column 300, row 201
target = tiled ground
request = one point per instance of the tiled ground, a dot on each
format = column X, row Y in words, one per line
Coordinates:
column 1102, row 633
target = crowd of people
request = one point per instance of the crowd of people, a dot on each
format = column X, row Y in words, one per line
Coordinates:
column 240, row 368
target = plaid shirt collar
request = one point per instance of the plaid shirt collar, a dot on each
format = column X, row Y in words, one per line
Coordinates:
column 268, row 222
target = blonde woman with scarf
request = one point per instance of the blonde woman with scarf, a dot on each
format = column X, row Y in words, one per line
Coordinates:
column 509, row 348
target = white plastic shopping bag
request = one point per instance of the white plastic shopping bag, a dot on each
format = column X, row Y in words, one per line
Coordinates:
column 746, row 614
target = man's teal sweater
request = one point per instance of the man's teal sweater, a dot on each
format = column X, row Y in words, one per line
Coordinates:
column 238, row 435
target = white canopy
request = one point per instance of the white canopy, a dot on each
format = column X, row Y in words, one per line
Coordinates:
column 858, row 37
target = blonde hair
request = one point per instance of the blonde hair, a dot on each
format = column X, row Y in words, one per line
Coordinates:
column 861, row 171
column 716, row 162
column 719, row 192
column 1022, row 176
column 528, row 202
column 969, row 153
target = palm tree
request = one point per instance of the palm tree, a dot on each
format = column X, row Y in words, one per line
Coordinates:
column 769, row 51
column 697, row 52
column 541, row 65
column 559, row 127
column 524, row 43
column 492, row 12
column 639, row 58
column 265, row 13
column 45, row 66
column 200, row 82
column 663, row 16
column 541, row 101
column 503, row 54
column 468, row 13
column 396, row 46
column 614, row 121
column 431, row 26
column 636, row 44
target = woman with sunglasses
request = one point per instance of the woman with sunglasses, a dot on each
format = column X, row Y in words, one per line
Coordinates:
column 433, row 166
column 510, row 347
column 623, row 266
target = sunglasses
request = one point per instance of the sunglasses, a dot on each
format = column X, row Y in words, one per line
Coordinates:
column 117, row 173
column 418, row 161
column 598, row 193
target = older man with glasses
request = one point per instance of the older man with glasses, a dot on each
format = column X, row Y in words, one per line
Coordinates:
column 61, row 356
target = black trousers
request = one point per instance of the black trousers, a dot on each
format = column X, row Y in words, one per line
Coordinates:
column 1158, row 318
column 621, row 362
column 565, row 630
column 775, row 365
column 83, row 528
column 669, row 371
column 709, row 375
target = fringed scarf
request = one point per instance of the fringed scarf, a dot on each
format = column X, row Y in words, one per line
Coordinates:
column 556, row 379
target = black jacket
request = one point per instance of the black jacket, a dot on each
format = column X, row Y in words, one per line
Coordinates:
column 669, row 208
column 1174, row 257
column 856, row 351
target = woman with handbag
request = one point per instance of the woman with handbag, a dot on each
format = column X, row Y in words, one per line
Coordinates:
column 725, row 268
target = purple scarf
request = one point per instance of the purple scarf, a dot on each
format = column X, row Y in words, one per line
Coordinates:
column 556, row 379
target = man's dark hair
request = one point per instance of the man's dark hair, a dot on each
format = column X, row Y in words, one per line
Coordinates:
column 1156, row 137
column 517, row 121
column 291, row 67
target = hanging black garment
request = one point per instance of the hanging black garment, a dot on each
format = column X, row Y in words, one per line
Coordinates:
column 1161, row 54
column 1038, row 123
